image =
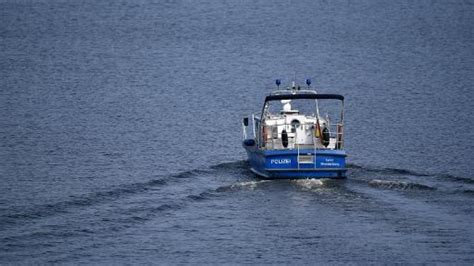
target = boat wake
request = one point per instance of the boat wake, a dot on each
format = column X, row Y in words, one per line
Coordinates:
column 14, row 216
column 243, row 185
column 401, row 185
column 310, row 184
column 404, row 172
column 243, row 180
column 407, row 180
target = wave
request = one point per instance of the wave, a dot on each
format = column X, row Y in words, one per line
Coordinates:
column 189, row 173
column 399, row 171
column 201, row 196
column 457, row 178
column 400, row 185
column 243, row 185
column 309, row 183
column 86, row 200
column 144, row 214
column 241, row 166
column 468, row 192
column 41, row 211
column 46, row 210
column 393, row 171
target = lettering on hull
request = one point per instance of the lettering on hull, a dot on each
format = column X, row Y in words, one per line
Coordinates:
column 330, row 162
column 280, row 161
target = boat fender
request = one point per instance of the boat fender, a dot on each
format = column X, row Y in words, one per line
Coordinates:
column 325, row 136
column 249, row 142
column 284, row 138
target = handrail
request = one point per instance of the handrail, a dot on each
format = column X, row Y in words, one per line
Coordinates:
column 336, row 134
column 304, row 96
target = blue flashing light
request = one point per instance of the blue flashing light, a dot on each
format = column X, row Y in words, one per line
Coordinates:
column 308, row 82
column 278, row 82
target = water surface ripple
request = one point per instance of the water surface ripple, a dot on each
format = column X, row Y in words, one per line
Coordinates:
column 120, row 131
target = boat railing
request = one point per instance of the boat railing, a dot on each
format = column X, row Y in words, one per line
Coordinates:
column 271, row 137
column 255, row 119
column 290, row 92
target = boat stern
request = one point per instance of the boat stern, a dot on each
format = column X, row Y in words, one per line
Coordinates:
column 299, row 164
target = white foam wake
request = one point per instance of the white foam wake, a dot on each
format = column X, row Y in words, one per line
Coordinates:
column 248, row 184
column 309, row 183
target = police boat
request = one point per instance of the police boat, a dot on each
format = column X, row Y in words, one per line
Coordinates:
column 298, row 134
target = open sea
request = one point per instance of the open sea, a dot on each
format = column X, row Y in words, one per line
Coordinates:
column 120, row 131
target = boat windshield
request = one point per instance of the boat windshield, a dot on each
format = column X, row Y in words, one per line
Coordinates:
column 308, row 107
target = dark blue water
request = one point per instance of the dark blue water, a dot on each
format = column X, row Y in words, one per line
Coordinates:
column 120, row 137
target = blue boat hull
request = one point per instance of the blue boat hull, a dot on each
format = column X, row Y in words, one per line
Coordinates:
column 283, row 164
